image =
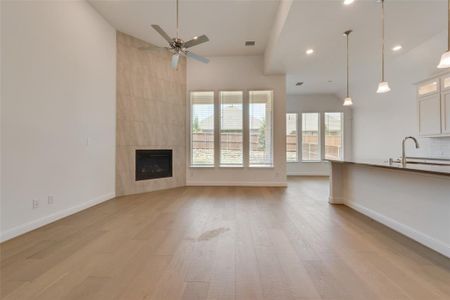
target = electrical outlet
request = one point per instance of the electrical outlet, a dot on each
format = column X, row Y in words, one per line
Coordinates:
column 50, row 199
column 35, row 204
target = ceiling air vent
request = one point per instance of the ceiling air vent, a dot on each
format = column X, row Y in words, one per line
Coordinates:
column 249, row 43
column 299, row 83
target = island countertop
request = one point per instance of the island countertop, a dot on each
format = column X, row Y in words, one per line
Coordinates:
column 419, row 168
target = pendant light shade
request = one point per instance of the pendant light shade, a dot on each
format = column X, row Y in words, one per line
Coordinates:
column 348, row 101
column 445, row 61
column 383, row 86
column 445, row 58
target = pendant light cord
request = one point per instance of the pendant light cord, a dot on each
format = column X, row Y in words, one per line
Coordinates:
column 348, row 69
column 382, row 40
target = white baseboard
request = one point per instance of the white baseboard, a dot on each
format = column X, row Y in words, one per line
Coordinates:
column 420, row 237
column 19, row 230
column 336, row 200
column 231, row 183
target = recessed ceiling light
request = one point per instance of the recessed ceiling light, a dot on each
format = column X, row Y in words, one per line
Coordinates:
column 397, row 48
column 299, row 83
column 249, row 43
column 348, row 2
column 310, row 51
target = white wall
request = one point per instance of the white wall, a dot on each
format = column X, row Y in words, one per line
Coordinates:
column 414, row 204
column 380, row 122
column 318, row 103
column 241, row 73
column 58, row 111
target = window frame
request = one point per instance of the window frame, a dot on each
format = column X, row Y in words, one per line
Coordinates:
column 247, row 114
column 191, row 162
column 319, row 134
column 297, row 139
column 342, row 134
column 219, row 129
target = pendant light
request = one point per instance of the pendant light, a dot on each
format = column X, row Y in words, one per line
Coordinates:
column 383, row 86
column 445, row 58
column 348, row 99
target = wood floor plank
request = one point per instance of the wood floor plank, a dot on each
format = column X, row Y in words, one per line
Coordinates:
column 195, row 290
column 221, row 243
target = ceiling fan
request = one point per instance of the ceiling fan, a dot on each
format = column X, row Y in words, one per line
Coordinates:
column 179, row 47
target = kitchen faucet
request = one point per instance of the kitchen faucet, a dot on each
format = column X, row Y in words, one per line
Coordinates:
column 403, row 158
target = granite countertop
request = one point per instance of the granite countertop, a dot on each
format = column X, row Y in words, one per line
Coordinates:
column 420, row 168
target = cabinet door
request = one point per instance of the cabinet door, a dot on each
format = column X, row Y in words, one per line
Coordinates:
column 445, row 114
column 429, row 109
column 427, row 88
column 445, row 83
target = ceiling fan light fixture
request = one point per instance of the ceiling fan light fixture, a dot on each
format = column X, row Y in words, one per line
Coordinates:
column 383, row 87
column 178, row 46
column 348, row 101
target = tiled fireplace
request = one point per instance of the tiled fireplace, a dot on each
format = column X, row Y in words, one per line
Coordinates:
column 151, row 119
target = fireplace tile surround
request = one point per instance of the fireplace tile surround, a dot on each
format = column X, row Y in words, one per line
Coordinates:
column 151, row 113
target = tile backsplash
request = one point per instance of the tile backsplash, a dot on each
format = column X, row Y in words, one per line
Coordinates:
column 435, row 147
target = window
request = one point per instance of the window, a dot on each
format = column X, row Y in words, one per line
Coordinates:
column 231, row 130
column 310, row 137
column 260, row 128
column 202, row 128
column 291, row 138
column 333, row 135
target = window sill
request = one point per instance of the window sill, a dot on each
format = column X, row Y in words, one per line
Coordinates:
column 312, row 161
column 201, row 166
column 231, row 166
column 261, row 166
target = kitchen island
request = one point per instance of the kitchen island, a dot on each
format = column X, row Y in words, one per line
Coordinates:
column 413, row 200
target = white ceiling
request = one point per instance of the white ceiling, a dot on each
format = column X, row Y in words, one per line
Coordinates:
column 317, row 24
column 320, row 24
column 228, row 24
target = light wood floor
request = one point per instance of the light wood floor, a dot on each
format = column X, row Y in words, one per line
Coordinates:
column 221, row 243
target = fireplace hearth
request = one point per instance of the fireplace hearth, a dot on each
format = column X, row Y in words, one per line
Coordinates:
column 152, row 164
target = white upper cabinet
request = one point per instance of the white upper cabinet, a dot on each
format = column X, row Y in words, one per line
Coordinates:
column 429, row 108
column 428, row 87
column 445, row 104
column 445, row 112
column 445, row 82
column 433, row 106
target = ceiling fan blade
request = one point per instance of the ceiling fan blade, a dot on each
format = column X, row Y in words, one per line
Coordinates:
column 162, row 33
column 197, row 57
column 196, row 41
column 175, row 59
